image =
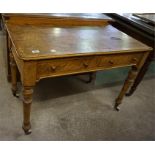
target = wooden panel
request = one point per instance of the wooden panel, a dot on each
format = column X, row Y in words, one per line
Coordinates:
column 119, row 60
column 59, row 15
column 58, row 19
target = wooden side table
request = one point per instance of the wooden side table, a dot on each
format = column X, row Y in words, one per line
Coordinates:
column 47, row 51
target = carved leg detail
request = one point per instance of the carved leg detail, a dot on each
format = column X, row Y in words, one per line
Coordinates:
column 129, row 81
column 13, row 75
column 27, row 101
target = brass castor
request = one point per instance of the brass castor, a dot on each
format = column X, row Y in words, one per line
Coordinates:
column 116, row 108
column 27, row 131
column 15, row 93
column 117, row 103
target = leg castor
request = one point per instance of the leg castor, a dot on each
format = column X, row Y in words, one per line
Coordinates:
column 27, row 129
column 116, row 108
column 15, row 94
column 116, row 105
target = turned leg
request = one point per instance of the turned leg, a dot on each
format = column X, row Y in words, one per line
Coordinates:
column 27, row 101
column 129, row 81
column 140, row 76
column 13, row 67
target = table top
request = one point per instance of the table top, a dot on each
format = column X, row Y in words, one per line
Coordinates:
column 40, row 42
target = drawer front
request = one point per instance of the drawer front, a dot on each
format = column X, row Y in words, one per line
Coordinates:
column 119, row 60
column 57, row 67
column 73, row 65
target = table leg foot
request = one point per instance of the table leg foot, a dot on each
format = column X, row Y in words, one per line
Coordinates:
column 27, row 129
column 15, row 94
column 117, row 103
column 116, row 108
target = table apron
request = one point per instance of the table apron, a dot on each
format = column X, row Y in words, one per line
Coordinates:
column 82, row 64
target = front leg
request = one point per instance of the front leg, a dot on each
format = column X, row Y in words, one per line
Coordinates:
column 27, row 101
column 129, row 81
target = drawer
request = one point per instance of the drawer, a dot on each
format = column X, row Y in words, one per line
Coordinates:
column 119, row 60
column 73, row 65
column 64, row 66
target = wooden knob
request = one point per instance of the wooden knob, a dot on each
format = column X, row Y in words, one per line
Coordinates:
column 85, row 64
column 134, row 59
column 53, row 68
column 111, row 62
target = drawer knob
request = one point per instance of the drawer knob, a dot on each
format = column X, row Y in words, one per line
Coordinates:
column 85, row 64
column 111, row 62
column 53, row 68
column 134, row 60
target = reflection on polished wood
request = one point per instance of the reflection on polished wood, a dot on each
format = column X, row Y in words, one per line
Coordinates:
column 29, row 40
column 48, row 51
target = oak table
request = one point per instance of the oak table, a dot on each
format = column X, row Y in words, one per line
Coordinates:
column 50, row 51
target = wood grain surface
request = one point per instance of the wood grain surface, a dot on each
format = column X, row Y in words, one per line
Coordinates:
column 36, row 42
